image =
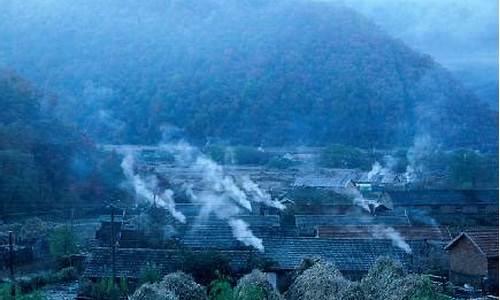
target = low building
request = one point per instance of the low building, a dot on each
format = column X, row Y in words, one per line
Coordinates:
column 281, row 256
column 474, row 259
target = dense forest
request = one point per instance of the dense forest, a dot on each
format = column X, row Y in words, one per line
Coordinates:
column 246, row 72
column 45, row 163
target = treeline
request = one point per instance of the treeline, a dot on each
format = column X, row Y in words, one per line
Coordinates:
column 433, row 168
column 46, row 164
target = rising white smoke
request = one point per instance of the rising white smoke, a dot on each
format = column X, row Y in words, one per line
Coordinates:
column 144, row 188
column 220, row 194
column 244, row 234
column 389, row 162
column 258, row 194
column 390, row 233
column 417, row 156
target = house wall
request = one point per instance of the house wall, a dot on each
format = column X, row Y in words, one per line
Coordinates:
column 467, row 259
column 492, row 282
column 467, row 264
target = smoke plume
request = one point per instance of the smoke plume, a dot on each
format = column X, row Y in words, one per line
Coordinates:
column 145, row 188
column 390, row 233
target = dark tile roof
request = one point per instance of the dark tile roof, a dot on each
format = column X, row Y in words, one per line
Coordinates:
column 347, row 255
column 414, row 233
column 334, row 178
column 130, row 262
column 443, row 197
column 252, row 220
column 486, row 240
column 309, row 221
column 221, row 236
column 282, row 253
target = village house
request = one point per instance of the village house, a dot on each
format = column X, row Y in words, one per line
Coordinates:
column 283, row 255
column 478, row 206
column 474, row 259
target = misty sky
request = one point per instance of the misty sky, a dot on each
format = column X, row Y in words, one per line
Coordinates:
column 462, row 35
column 458, row 33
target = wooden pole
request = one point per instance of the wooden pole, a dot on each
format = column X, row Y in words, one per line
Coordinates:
column 11, row 264
column 113, row 244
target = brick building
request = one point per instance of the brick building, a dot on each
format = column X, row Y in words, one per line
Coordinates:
column 474, row 259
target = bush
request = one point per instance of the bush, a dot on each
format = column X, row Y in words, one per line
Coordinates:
column 341, row 156
column 245, row 155
column 205, row 266
column 151, row 291
column 63, row 242
column 318, row 280
column 387, row 280
column 150, row 274
column 6, row 289
column 104, row 289
column 255, row 286
column 220, row 289
column 183, row 286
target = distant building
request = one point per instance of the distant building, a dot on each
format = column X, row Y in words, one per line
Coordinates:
column 474, row 259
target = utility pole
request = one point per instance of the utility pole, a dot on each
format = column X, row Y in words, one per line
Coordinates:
column 113, row 243
column 11, row 264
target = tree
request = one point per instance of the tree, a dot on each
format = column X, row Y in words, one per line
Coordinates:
column 63, row 242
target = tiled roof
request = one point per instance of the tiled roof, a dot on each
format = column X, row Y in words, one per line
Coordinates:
column 308, row 221
column 221, row 236
column 130, row 262
column 252, row 220
column 366, row 232
column 282, row 253
column 347, row 255
column 486, row 240
column 334, row 178
column 443, row 197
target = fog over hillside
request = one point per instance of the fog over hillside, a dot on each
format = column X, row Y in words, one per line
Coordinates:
column 248, row 72
column 461, row 35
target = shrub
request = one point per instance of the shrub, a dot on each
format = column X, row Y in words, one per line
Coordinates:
column 205, row 266
column 63, row 242
column 183, row 286
column 220, row 289
column 245, row 155
column 6, row 289
column 150, row 274
column 255, row 286
column 153, row 291
column 341, row 156
column 105, row 289
column 318, row 280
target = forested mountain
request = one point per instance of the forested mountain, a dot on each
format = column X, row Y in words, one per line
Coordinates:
column 44, row 164
column 249, row 72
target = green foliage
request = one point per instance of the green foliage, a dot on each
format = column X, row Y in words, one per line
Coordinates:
column 255, row 286
column 280, row 162
column 150, row 274
column 341, row 156
column 220, row 289
column 104, row 289
column 426, row 291
column 386, row 280
column 183, row 286
column 47, row 164
column 63, row 242
column 29, row 284
column 6, row 294
column 245, row 155
column 205, row 266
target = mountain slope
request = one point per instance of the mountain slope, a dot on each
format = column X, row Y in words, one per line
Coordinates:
column 251, row 72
